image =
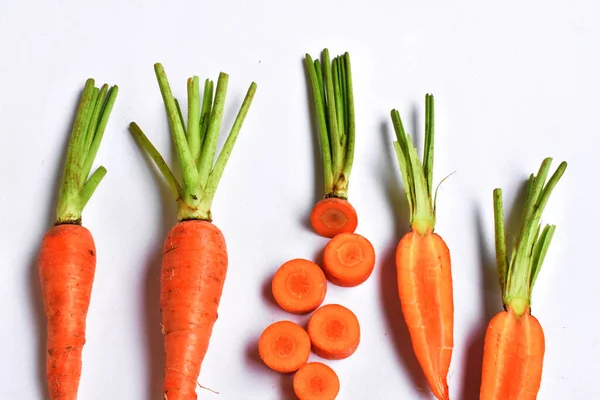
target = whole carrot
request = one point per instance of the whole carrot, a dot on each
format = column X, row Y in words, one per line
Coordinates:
column 333, row 98
column 194, row 255
column 67, row 259
column 514, row 346
column 423, row 262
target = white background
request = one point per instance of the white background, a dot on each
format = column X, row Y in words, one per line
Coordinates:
column 514, row 82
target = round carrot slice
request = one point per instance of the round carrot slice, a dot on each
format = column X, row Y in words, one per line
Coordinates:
column 316, row 381
column 284, row 346
column 334, row 332
column 332, row 216
column 349, row 259
column 299, row 286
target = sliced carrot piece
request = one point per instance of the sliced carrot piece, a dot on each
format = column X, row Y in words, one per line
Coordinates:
column 349, row 259
column 316, row 381
column 284, row 346
column 299, row 286
column 332, row 216
column 334, row 332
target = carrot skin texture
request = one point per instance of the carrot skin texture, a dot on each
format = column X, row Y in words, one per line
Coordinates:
column 425, row 290
column 67, row 265
column 193, row 273
column 512, row 357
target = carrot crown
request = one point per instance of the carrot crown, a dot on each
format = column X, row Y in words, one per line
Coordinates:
column 195, row 144
column 76, row 189
column 518, row 275
column 333, row 100
column 417, row 176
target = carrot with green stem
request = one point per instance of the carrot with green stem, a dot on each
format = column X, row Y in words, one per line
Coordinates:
column 423, row 261
column 195, row 260
column 333, row 99
column 514, row 342
column 67, row 259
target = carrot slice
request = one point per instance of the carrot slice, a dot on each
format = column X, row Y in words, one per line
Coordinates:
column 334, row 332
column 349, row 259
column 284, row 346
column 316, row 381
column 332, row 216
column 299, row 286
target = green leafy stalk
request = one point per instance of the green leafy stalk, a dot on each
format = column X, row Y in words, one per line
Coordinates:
column 195, row 145
column 529, row 250
column 417, row 176
column 333, row 100
column 91, row 119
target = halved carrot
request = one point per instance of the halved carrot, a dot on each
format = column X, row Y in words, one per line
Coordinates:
column 299, row 286
column 513, row 353
column 349, row 259
column 334, row 332
column 284, row 346
column 316, row 381
column 331, row 83
column 423, row 261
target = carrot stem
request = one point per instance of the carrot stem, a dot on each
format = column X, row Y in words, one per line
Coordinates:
column 331, row 82
column 500, row 236
column 314, row 73
column 90, row 122
column 532, row 243
column 217, row 172
column 193, row 126
column 417, row 180
column 195, row 149
column 154, row 154
column 209, row 146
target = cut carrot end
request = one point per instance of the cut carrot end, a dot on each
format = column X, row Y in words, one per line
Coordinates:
column 332, row 216
column 316, row 381
column 299, row 286
column 334, row 332
column 349, row 259
column 284, row 346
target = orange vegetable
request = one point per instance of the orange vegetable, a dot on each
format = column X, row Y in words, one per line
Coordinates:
column 349, row 259
column 284, row 346
column 67, row 259
column 514, row 347
column 195, row 259
column 299, row 286
column 334, row 332
column 333, row 100
column 316, row 381
column 423, row 263
column 333, row 216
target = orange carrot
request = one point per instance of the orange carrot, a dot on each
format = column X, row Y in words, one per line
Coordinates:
column 284, row 346
column 423, row 263
column 194, row 256
column 349, row 259
column 333, row 98
column 299, row 286
column 334, row 332
column 67, row 259
column 514, row 346
column 316, row 381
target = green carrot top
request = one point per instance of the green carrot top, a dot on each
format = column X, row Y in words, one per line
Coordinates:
column 195, row 144
column 417, row 177
column 518, row 275
column 333, row 100
column 76, row 189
